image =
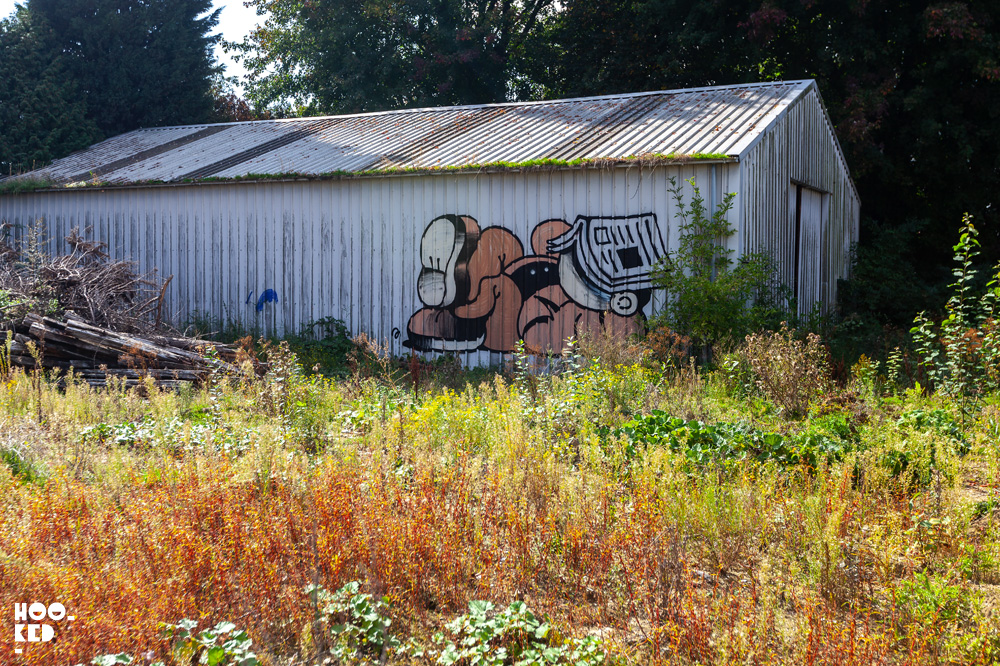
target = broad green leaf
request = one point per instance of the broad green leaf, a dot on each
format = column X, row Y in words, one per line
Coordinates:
column 215, row 656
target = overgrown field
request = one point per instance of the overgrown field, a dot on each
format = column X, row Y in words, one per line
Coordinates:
column 608, row 509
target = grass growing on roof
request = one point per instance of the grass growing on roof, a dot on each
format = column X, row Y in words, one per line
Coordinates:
column 643, row 160
column 24, row 185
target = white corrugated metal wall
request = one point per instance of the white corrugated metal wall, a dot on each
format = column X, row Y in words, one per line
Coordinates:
column 800, row 150
column 349, row 248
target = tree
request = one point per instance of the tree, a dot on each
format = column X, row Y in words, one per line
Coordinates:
column 596, row 47
column 137, row 63
column 342, row 56
column 230, row 106
column 709, row 296
column 912, row 88
column 41, row 114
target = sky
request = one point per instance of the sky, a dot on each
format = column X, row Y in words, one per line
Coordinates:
column 235, row 23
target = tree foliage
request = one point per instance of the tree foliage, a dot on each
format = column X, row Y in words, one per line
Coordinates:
column 912, row 87
column 598, row 47
column 41, row 115
column 341, row 56
column 74, row 72
column 138, row 63
column 231, row 106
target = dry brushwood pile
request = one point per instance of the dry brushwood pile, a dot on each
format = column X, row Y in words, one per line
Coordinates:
column 105, row 292
column 95, row 315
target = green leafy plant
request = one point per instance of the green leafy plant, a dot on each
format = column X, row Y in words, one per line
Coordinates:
column 939, row 421
column 113, row 659
column 917, row 459
column 174, row 434
column 513, row 636
column 222, row 645
column 20, row 466
column 933, row 599
column 724, row 443
column 357, row 623
column 960, row 355
column 895, row 370
column 711, row 296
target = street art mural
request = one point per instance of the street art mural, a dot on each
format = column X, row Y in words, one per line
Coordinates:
column 482, row 290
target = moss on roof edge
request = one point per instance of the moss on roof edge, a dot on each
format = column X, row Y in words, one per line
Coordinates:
column 644, row 160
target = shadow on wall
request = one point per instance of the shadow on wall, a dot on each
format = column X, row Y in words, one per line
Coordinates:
column 480, row 289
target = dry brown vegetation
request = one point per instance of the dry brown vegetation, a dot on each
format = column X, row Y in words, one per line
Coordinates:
column 103, row 291
column 224, row 503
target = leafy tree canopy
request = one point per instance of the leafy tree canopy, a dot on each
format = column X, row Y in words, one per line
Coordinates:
column 341, row 56
column 912, row 87
column 914, row 91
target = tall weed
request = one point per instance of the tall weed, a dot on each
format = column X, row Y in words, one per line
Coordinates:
column 787, row 370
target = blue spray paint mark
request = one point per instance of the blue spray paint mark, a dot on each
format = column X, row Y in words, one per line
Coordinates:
column 249, row 298
column 268, row 296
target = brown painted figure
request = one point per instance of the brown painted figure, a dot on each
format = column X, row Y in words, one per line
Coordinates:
column 481, row 291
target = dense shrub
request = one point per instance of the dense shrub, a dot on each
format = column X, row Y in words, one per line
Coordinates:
column 789, row 371
column 709, row 296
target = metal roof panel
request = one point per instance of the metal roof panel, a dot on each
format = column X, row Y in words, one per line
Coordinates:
column 719, row 120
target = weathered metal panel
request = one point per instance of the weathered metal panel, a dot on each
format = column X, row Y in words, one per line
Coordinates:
column 542, row 255
column 724, row 120
column 801, row 151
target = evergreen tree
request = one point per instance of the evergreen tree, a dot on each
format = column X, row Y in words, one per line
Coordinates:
column 138, row 63
column 41, row 114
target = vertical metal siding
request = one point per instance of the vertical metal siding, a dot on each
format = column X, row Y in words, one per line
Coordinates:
column 800, row 147
column 347, row 249
column 350, row 249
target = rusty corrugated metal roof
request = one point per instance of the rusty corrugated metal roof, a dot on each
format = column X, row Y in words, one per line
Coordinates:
column 718, row 120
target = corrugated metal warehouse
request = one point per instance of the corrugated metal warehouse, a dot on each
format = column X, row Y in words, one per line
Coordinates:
column 406, row 226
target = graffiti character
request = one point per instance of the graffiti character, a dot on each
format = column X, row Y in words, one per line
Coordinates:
column 481, row 291
column 266, row 296
column 606, row 261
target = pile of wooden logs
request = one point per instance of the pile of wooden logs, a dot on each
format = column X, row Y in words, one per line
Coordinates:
column 97, row 354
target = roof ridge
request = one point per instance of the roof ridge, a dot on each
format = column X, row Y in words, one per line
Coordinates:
column 464, row 107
